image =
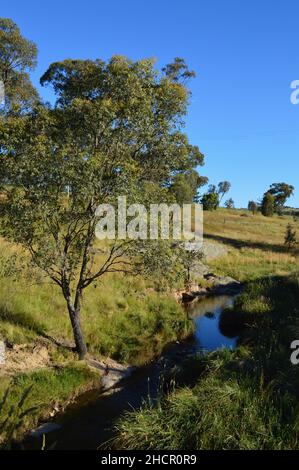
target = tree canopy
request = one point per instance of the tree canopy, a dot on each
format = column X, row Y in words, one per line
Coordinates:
column 281, row 192
column 17, row 58
column 115, row 130
column 268, row 204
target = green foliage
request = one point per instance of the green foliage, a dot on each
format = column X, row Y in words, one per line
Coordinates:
column 123, row 317
column 281, row 192
column 115, row 130
column 290, row 239
column 230, row 204
column 17, row 57
column 140, row 329
column 268, row 205
column 223, row 188
column 28, row 397
column 210, row 201
column 215, row 415
column 12, row 416
column 178, row 71
column 185, row 186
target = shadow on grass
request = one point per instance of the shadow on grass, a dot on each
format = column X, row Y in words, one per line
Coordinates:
column 249, row 244
column 267, row 316
column 26, row 321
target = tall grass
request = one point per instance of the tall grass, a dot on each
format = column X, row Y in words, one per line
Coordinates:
column 123, row 317
column 246, row 399
column 215, row 414
column 27, row 398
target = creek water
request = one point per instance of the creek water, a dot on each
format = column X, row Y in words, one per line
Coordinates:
column 88, row 422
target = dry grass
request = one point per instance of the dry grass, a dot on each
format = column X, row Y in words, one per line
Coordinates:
column 255, row 243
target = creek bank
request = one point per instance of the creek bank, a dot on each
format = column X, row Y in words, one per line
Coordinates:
column 208, row 283
column 216, row 286
column 89, row 422
column 111, row 372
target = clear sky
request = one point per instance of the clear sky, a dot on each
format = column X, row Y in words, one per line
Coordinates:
column 245, row 53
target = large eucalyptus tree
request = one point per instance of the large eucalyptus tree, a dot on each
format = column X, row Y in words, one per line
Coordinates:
column 115, row 130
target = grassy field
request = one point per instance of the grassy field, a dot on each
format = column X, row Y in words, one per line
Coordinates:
column 255, row 243
column 28, row 398
column 123, row 317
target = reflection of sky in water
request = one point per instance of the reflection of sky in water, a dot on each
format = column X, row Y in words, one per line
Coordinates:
column 206, row 316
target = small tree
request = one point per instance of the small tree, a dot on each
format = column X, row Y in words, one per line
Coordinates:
column 223, row 188
column 268, row 205
column 281, row 192
column 230, row 204
column 210, row 201
column 184, row 186
column 252, row 207
column 290, row 239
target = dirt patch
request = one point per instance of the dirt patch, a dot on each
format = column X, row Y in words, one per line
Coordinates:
column 23, row 358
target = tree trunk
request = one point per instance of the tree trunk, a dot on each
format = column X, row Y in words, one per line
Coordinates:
column 77, row 332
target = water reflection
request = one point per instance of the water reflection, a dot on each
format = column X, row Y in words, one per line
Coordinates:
column 206, row 314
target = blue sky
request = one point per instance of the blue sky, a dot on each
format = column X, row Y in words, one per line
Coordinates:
column 245, row 54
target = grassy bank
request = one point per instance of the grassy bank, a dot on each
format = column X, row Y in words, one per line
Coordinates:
column 123, row 317
column 246, row 399
column 27, row 398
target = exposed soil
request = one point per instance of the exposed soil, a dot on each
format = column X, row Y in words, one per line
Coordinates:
column 24, row 358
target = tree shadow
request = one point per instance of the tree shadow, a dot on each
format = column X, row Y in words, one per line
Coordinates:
column 29, row 323
column 249, row 244
column 270, row 331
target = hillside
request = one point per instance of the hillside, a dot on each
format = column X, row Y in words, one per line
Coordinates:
column 255, row 243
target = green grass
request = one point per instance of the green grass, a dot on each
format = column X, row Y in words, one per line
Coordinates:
column 127, row 319
column 246, row 399
column 255, row 243
column 27, row 398
column 215, row 414
column 123, row 317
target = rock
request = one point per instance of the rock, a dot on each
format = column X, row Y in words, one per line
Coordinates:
column 199, row 269
column 112, row 371
column 45, row 429
column 220, row 285
column 111, row 379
